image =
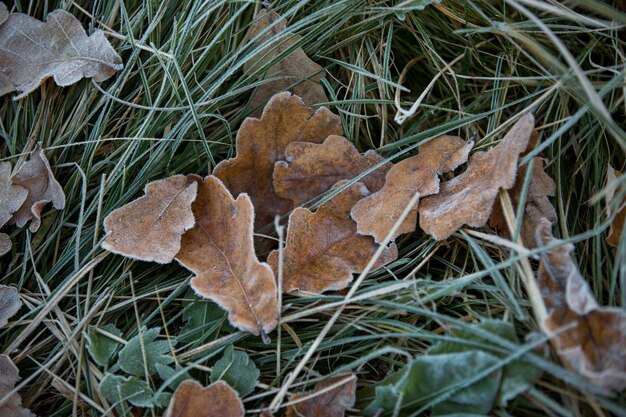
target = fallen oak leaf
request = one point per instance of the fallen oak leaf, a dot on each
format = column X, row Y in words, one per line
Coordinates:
column 193, row 400
column 32, row 51
column 587, row 336
column 536, row 207
column 151, row 227
column 262, row 142
column 376, row 214
column 36, row 176
column 330, row 398
column 469, row 197
column 323, row 249
column 9, row 376
column 9, row 303
column 294, row 68
column 617, row 225
column 12, row 197
column 310, row 169
column 220, row 251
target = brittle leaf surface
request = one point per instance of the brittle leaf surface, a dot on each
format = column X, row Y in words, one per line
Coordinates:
column 220, row 251
column 193, row 400
column 151, row 227
column 323, row 249
column 377, row 214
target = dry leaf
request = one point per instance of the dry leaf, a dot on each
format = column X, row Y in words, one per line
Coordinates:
column 9, row 303
column 262, row 142
column 150, row 228
column 36, row 176
column 4, row 13
column 325, row 402
column 9, row 376
column 311, row 169
column 32, row 51
column 537, row 206
column 220, row 251
column 11, row 199
column 193, row 400
column 595, row 342
column 376, row 214
column 617, row 225
column 323, row 249
column 294, row 68
column 469, row 197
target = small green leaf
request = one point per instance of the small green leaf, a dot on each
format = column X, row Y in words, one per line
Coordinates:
column 237, row 370
column 163, row 399
column 116, row 389
column 203, row 321
column 517, row 376
column 132, row 360
column 101, row 348
column 165, row 373
column 432, row 377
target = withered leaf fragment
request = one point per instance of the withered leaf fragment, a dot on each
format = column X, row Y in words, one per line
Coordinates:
column 193, row 400
column 469, row 197
column 11, row 199
column 4, row 13
column 376, row 214
column 150, row 228
column 32, row 51
column 262, row 142
column 537, row 205
column 310, row 169
column 9, row 303
column 325, row 401
column 37, row 178
column 617, row 225
column 220, row 251
column 594, row 343
column 294, row 71
column 9, row 376
column 323, row 249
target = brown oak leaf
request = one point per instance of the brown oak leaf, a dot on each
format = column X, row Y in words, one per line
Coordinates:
column 9, row 376
column 220, row 251
column 617, row 225
column 594, row 342
column 37, row 178
column 32, row 51
column 262, row 142
column 193, row 400
column 12, row 197
column 151, row 227
column 325, row 401
column 310, row 169
column 376, row 214
column 469, row 197
column 538, row 206
column 323, row 249
column 294, row 72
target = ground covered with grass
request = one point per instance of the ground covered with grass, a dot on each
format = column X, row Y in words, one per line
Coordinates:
column 176, row 107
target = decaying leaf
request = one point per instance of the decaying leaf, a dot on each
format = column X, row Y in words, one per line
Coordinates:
column 9, row 376
column 37, row 178
column 323, row 249
column 294, row 72
column 310, row 169
column 537, row 205
column 376, row 214
column 151, row 227
column 330, row 398
column 594, row 342
column 262, row 142
column 469, row 197
column 9, row 303
column 12, row 197
column 220, row 251
column 4, row 13
column 617, row 225
column 32, row 51
column 193, row 400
